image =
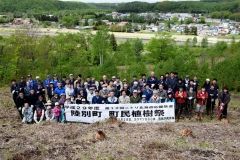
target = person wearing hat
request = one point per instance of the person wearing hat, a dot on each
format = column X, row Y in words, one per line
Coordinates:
column 83, row 101
column 135, row 86
column 60, row 89
column 57, row 112
column 135, row 98
column 48, row 113
column 104, row 79
column 112, row 99
column 27, row 112
column 144, row 100
column 181, row 97
column 207, row 84
column 202, row 97
column 224, row 98
column 155, row 97
column 124, row 98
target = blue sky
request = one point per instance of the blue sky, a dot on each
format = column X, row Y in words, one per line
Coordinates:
column 119, row 1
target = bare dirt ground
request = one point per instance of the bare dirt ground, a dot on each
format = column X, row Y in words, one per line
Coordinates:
column 210, row 139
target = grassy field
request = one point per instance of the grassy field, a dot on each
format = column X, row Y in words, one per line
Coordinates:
column 210, row 139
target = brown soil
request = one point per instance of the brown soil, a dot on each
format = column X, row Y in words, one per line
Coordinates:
column 212, row 139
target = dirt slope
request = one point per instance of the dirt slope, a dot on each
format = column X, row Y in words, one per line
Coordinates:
column 209, row 140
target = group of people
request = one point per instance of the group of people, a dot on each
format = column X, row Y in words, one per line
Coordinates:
column 38, row 100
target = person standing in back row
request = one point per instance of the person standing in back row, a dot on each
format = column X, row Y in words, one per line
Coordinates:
column 224, row 98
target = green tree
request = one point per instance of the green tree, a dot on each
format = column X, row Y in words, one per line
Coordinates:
column 113, row 42
column 194, row 42
column 204, row 43
column 138, row 48
column 100, row 46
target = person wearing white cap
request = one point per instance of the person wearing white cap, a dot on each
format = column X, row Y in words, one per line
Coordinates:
column 48, row 113
column 155, row 97
column 207, row 84
column 144, row 99
column 135, row 86
column 135, row 98
column 57, row 112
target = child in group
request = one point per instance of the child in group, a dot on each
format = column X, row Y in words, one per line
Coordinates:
column 27, row 112
column 202, row 97
column 39, row 114
column 49, row 113
column 62, row 117
column 57, row 112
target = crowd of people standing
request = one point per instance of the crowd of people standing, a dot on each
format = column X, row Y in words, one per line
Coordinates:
column 38, row 100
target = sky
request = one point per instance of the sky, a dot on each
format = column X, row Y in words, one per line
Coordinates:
column 121, row 1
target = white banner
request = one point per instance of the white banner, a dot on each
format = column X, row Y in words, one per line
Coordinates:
column 131, row 113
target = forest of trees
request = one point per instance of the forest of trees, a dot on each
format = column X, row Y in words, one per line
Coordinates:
column 232, row 6
column 95, row 55
column 216, row 8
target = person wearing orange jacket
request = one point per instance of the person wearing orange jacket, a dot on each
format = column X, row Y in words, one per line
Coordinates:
column 202, row 97
column 181, row 97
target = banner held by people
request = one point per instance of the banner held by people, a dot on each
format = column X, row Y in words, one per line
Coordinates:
column 131, row 113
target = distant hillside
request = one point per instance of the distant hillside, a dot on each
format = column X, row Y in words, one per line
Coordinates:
column 40, row 5
column 204, row 6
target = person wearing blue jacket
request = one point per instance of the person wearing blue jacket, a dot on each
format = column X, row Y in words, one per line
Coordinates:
column 59, row 90
column 147, row 92
column 97, row 99
column 152, row 79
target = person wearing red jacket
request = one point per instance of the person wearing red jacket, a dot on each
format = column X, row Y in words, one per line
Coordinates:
column 202, row 97
column 180, row 96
